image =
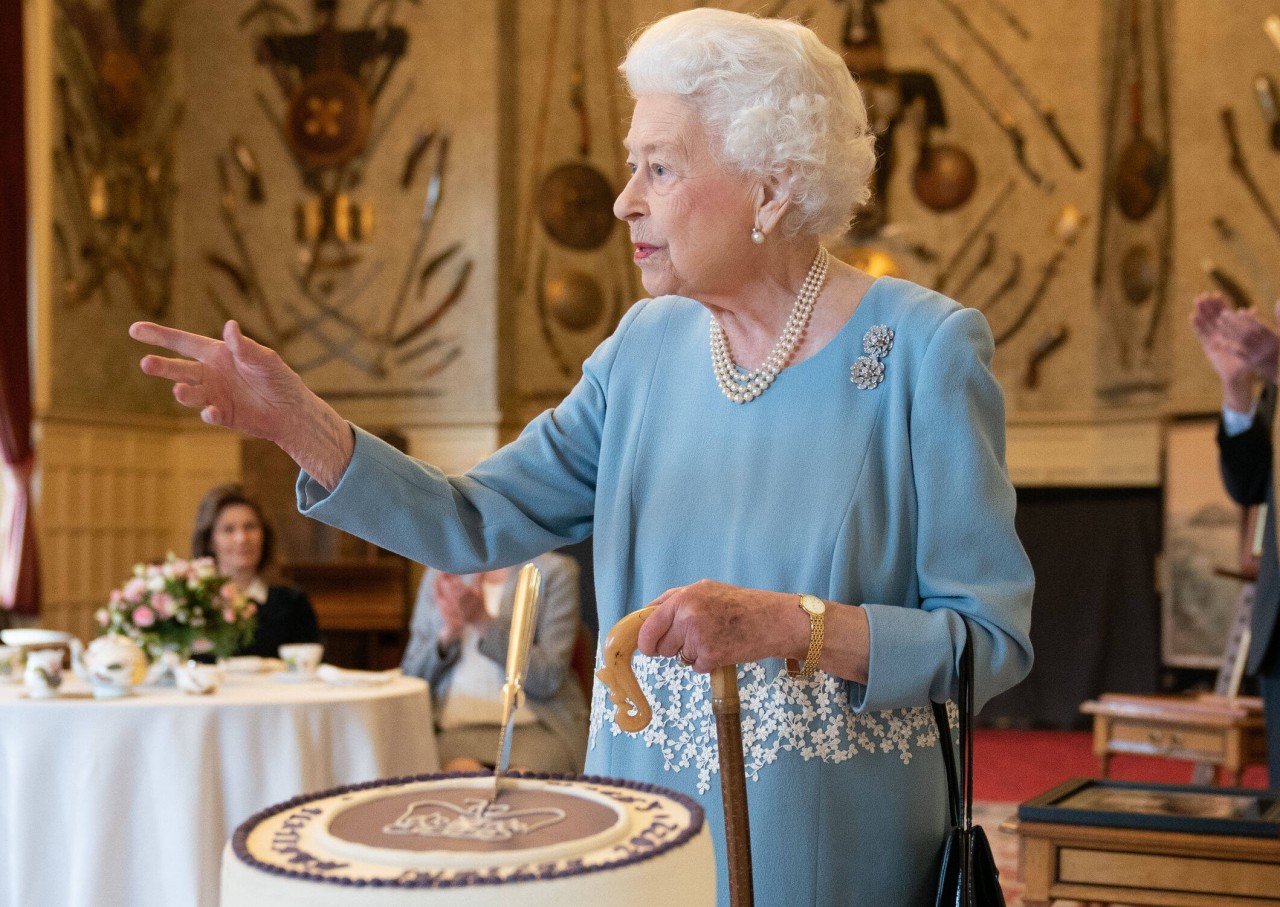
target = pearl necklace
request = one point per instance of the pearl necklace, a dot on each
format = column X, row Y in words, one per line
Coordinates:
column 742, row 386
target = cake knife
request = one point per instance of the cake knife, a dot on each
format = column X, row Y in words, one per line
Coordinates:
column 523, row 620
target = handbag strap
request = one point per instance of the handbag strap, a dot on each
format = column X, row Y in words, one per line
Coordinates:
column 948, row 761
column 966, row 730
column 959, row 781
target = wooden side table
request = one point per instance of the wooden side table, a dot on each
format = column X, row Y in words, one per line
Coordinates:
column 1226, row 732
column 1097, row 865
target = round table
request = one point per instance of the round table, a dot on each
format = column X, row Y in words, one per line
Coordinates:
column 129, row 801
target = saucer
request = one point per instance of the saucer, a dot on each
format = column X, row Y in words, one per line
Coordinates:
column 33, row 636
column 347, row 677
column 250, row 664
column 296, row 677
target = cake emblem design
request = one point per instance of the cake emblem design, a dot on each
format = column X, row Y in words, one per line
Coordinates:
column 478, row 820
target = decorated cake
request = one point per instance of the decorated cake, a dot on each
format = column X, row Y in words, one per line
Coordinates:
column 440, row 840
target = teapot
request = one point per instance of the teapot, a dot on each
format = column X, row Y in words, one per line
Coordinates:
column 112, row 665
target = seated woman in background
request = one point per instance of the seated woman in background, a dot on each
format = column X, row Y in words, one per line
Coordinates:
column 231, row 528
column 458, row 644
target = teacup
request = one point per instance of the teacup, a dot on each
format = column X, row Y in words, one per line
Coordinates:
column 199, row 679
column 301, row 658
column 43, row 673
column 10, row 664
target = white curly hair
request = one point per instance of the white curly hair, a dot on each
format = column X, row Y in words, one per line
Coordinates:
column 777, row 98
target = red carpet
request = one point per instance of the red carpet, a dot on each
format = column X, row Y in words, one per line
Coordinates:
column 1012, row 766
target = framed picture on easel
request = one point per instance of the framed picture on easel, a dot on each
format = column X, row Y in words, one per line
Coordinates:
column 1205, row 569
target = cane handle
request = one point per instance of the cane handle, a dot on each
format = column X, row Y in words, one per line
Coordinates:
column 633, row 712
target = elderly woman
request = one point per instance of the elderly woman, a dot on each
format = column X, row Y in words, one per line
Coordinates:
column 824, row 483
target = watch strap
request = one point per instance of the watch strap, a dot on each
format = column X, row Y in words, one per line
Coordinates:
column 817, row 632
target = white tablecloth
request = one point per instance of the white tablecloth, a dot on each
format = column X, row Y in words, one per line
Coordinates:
column 129, row 801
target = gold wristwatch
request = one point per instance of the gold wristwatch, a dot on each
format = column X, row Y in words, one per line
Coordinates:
column 816, row 608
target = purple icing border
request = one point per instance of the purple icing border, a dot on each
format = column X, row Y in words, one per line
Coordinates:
column 239, row 840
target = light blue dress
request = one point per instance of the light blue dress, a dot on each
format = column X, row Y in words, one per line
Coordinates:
column 895, row 497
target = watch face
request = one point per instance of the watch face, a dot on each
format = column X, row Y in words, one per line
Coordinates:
column 813, row 604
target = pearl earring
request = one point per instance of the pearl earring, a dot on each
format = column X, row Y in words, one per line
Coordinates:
column 757, row 236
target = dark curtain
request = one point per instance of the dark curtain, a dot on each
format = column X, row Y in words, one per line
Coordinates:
column 19, row 575
column 1095, row 622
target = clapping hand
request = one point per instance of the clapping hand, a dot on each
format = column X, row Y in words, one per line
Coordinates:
column 460, row 602
column 1237, row 345
column 240, row 384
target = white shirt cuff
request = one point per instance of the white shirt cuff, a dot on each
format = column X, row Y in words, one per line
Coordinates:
column 1235, row 422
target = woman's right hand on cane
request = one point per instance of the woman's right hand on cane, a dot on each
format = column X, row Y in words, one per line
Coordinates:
column 240, row 384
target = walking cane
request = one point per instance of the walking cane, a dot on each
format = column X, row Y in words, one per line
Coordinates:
column 633, row 714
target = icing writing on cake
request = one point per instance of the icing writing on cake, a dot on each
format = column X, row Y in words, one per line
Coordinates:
column 478, row 820
column 287, row 837
column 657, row 833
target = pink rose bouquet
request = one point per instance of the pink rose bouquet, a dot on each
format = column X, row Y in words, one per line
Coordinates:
column 183, row 605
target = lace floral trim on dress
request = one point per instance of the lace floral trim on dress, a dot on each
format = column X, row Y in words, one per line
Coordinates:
column 811, row 718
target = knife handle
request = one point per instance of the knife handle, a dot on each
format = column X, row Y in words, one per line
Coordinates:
column 523, row 619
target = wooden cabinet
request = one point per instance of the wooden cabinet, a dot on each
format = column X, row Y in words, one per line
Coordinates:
column 363, row 607
column 1097, row 865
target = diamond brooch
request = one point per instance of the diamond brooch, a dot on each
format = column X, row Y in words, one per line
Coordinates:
column 868, row 371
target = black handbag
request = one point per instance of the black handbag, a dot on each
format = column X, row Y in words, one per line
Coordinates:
column 968, row 877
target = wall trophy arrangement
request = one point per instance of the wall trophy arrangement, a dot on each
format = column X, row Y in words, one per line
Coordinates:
column 337, row 98
column 114, row 160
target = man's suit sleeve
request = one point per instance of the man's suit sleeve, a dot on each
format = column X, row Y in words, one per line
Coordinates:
column 1245, row 459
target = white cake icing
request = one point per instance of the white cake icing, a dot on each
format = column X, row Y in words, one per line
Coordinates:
column 435, row 840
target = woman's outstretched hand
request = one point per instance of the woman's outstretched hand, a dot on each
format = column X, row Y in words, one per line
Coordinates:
column 240, row 384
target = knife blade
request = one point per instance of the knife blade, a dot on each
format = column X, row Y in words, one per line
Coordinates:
column 523, row 620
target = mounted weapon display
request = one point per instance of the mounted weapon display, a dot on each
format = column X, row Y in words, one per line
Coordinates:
column 1141, row 170
column 983, row 260
column 945, row 175
column 1047, row 275
column 1047, row 115
column 1240, row 167
column 1231, row 288
column 945, row 272
column 1004, row 287
column 1259, row 274
column 1138, row 273
column 997, row 114
column 1264, row 88
column 1003, row 11
column 1044, row 347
